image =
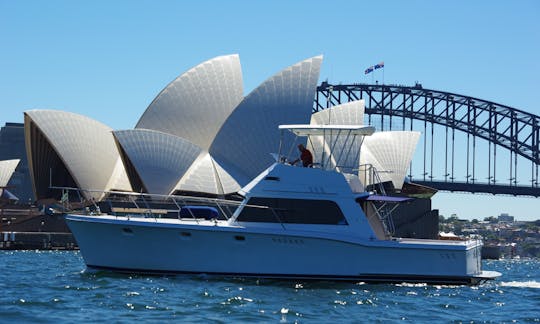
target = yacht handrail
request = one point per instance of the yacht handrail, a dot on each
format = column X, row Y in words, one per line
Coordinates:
column 372, row 174
column 130, row 193
column 148, row 211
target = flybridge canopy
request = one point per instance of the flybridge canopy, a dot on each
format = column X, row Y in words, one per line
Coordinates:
column 321, row 130
column 333, row 147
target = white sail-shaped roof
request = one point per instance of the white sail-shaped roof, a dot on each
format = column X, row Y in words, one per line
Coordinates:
column 7, row 167
column 350, row 113
column 73, row 147
column 195, row 105
column 206, row 175
column 346, row 149
column 159, row 159
column 369, row 164
column 243, row 144
column 119, row 179
column 390, row 153
column 227, row 182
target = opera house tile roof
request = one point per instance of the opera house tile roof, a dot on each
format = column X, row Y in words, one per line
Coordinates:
column 67, row 149
column 199, row 135
column 196, row 104
column 162, row 163
column 7, row 167
column 250, row 134
column 391, row 153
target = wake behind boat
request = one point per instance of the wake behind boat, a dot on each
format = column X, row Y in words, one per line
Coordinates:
column 315, row 222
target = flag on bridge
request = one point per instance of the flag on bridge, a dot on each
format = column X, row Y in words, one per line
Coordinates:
column 369, row 70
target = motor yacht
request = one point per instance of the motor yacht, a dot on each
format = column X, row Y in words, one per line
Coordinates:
column 318, row 222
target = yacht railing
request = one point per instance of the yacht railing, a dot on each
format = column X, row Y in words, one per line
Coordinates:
column 369, row 175
column 137, row 205
column 131, row 204
column 384, row 212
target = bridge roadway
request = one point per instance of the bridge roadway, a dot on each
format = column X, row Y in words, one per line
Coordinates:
column 481, row 188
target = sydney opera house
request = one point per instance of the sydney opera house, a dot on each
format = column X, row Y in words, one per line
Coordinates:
column 199, row 136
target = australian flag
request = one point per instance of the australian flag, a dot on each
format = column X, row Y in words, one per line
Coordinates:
column 378, row 66
column 369, row 70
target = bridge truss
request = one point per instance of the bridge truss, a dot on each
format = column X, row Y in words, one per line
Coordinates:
column 468, row 144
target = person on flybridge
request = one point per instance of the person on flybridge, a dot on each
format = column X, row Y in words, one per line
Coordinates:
column 305, row 156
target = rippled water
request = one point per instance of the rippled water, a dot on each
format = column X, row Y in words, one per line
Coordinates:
column 53, row 287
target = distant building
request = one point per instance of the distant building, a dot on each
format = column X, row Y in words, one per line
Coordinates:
column 12, row 146
column 505, row 218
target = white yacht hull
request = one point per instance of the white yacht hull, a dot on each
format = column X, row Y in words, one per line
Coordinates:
column 175, row 247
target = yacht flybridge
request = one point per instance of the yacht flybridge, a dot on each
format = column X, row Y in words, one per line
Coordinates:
column 316, row 222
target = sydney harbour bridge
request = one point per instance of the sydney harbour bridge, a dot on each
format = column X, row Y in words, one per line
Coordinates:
column 467, row 144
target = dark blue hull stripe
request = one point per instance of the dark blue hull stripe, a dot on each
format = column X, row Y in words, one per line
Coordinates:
column 375, row 278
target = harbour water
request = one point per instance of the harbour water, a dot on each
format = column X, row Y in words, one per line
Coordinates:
column 54, row 287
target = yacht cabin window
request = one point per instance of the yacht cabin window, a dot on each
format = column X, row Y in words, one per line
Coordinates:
column 295, row 211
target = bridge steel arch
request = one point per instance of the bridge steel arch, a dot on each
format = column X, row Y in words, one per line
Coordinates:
column 397, row 107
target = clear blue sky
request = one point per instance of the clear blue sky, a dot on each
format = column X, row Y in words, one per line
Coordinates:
column 109, row 59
